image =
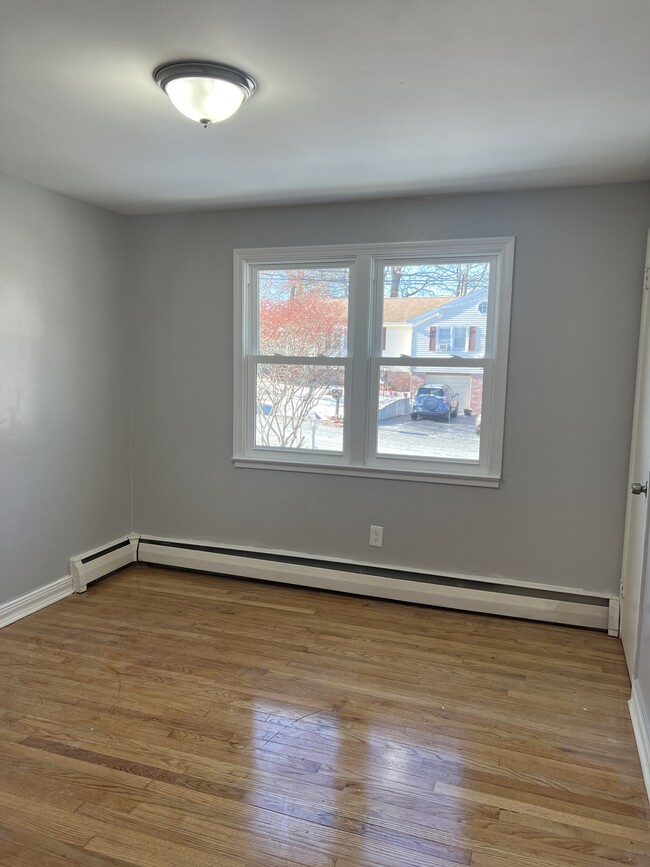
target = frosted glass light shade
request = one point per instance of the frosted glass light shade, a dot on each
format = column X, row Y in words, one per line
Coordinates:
column 205, row 92
column 205, row 99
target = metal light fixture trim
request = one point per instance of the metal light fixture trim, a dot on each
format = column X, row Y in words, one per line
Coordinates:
column 201, row 83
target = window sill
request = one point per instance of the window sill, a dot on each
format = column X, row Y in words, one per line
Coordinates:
column 369, row 472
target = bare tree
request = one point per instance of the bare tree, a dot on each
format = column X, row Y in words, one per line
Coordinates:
column 454, row 280
column 325, row 282
column 401, row 281
column 287, row 395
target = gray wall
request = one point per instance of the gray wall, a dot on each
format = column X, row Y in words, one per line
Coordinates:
column 64, row 414
column 64, row 374
column 558, row 517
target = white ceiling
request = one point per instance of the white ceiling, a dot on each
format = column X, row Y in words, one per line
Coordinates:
column 356, row 98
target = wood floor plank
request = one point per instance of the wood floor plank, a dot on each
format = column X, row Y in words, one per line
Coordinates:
column 169, row 718
column 20, row 848
column 632, row 827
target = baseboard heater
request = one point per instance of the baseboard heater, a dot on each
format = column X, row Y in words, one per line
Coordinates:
column 96, row 564
column 484, row 595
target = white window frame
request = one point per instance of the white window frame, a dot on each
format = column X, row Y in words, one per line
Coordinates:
column 362, row 364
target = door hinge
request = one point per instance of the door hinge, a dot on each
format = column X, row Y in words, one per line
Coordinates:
column 646, row 278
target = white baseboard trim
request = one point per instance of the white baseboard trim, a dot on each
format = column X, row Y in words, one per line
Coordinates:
column 33, row 601
column 84, row 568
column 99, row 562
column 503, row 598
column 641, row 732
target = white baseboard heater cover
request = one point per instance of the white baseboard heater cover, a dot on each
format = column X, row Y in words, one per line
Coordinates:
column 96, row 564
column 483, row 595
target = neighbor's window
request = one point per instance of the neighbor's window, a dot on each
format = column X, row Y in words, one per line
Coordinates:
column 386, row 360
column 459, row 338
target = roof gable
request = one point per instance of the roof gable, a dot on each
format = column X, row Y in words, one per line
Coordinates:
column 454, row 307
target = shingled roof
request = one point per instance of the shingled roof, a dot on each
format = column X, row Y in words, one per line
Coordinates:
column 405, row 309
column 397, row 310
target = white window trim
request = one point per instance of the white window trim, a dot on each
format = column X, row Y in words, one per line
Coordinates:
column 359, row 456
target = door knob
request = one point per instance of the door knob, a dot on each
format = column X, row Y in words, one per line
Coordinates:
column 638, row 488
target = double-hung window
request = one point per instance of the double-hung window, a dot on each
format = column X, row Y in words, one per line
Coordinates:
column 346, row 359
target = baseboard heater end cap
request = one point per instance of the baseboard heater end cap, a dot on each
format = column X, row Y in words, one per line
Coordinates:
column 88, row 567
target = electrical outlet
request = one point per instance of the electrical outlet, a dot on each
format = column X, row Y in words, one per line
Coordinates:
column 376, row 536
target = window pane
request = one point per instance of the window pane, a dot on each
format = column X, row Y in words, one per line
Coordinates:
column 430, row 413
column 303, row 311
column 435, row 310
column 300, row 406
column 444, row 336
column 459, row 338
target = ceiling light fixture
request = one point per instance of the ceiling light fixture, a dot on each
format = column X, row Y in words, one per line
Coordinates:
column 205, row 92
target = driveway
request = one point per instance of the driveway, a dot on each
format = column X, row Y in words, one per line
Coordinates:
column 423, row 438
column 429, row 438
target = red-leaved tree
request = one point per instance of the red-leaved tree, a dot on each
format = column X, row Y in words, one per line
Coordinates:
column 307, row 325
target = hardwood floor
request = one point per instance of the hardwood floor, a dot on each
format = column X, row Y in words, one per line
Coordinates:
column 166, row 718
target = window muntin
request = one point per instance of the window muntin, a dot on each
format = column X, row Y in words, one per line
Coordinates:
column 374, row 372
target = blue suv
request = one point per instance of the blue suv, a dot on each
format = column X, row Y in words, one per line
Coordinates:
column 435, row 401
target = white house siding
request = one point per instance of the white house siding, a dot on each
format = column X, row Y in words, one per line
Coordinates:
column 398, row 340
column 466, row 318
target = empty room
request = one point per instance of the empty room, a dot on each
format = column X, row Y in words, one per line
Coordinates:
column 324, row 433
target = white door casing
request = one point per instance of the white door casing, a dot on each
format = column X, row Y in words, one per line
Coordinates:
column 635, row 520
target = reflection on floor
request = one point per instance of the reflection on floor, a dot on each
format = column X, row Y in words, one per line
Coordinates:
column 165, row 718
